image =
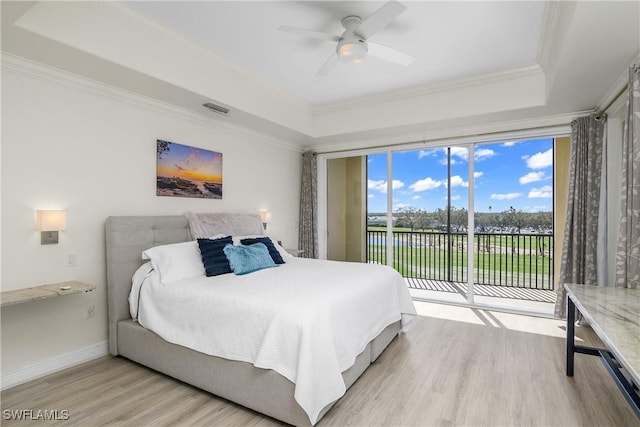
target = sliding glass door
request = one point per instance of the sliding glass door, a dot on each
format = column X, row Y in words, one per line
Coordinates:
column 434, row 207
column 425, row 220
column 514, row 236
column 464, row 223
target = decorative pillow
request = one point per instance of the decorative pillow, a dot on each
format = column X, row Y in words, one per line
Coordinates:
column 217, row 236
column 204, row 225
column 213, row 257
column 176, row 261
column 237, row 240
column 282, row 251
column 273, row 252
column 247, row 259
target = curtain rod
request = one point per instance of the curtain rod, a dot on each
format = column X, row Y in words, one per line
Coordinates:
column 424, row 141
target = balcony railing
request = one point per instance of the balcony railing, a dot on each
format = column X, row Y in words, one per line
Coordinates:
column 521, row 260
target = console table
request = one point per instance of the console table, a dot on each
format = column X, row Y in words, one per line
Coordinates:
column 614, row 315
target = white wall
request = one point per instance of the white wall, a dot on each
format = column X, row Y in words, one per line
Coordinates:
column 68, row 143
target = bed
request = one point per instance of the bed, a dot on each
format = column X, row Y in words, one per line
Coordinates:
column 256, row 381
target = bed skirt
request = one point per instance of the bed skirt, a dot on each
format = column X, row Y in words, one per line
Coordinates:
column 262, row 390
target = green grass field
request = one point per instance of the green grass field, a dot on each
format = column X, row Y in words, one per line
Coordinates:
column 508, row 260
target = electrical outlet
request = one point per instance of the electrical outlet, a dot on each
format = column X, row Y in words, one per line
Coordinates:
column 91, row 311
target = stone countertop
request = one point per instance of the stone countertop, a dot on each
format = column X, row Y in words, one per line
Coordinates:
column 35, row 293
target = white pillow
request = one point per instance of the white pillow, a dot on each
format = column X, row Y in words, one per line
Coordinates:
column 283, row 252
column 218, row 236
column 176, row 261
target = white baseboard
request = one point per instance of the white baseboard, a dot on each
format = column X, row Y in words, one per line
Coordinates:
column 63, row 361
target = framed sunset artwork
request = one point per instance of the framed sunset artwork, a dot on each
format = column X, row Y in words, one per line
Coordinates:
column 184, row 171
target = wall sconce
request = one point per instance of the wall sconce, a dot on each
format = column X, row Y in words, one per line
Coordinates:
column 49, row 223
column 265, row 217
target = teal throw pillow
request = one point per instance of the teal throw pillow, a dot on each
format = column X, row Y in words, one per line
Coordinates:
column 247, row 259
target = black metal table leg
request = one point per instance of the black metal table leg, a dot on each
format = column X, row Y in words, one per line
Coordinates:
column 571, row 315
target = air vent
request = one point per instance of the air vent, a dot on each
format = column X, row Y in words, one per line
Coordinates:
column 216, row 108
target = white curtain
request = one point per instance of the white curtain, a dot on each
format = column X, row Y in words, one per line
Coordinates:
column 585, row 223
column 628, row 249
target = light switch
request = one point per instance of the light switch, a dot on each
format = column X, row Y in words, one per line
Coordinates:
column 72, row 260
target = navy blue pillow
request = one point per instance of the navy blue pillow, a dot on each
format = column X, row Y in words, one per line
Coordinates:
column 275, row 255
column 213, row 257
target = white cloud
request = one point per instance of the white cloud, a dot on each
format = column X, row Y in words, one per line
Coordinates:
column 510, row 143
column 381, row 185
column 425, row 184
column 396, row 184
column 545, row 192
column 374, row 184
column 532, row 177
column 478, row 174
column 507, row 196
column 416, row 197
column 457, row 181
column 483, row 153
column 443, row 161
column 399, row 206
column 455, row 197
column 426, row 153
column 540, row 160
column 370, row 196
column 461, row 152
column 431, row 184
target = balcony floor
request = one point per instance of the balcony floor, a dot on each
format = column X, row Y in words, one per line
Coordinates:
column 533, row 295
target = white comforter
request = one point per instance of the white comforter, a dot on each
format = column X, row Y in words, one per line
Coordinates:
column 306, row 319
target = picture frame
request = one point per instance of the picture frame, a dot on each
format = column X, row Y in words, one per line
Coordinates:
column 186, row 171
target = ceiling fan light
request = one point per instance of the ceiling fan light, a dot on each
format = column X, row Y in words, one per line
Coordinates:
column 353, row 52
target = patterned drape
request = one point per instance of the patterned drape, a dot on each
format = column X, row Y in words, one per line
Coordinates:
column 308, row 230
column 579, row 262
column 628, row 250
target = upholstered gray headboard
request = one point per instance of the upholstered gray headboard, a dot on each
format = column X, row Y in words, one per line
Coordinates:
column 128, row 236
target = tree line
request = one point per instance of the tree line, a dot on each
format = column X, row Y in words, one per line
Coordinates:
column 419, row 219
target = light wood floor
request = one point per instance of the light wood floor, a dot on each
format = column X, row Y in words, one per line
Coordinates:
column 455, row 367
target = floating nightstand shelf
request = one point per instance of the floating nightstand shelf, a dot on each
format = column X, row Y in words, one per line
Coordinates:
column 295, row 252
column 36, row 293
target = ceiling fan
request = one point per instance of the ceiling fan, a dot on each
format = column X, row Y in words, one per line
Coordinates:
column 354, row 45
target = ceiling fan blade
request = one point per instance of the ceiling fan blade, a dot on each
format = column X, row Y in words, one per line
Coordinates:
column 389, row 54
column 309, row 33
column 380, row 18
column 328, row 65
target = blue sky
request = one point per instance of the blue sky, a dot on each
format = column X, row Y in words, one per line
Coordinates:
column 508, row 173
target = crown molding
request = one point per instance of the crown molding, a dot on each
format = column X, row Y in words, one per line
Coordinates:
column 615, row 95
column 430, row 89
column 32, row 69
column 549, row 32
column 508, row 129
